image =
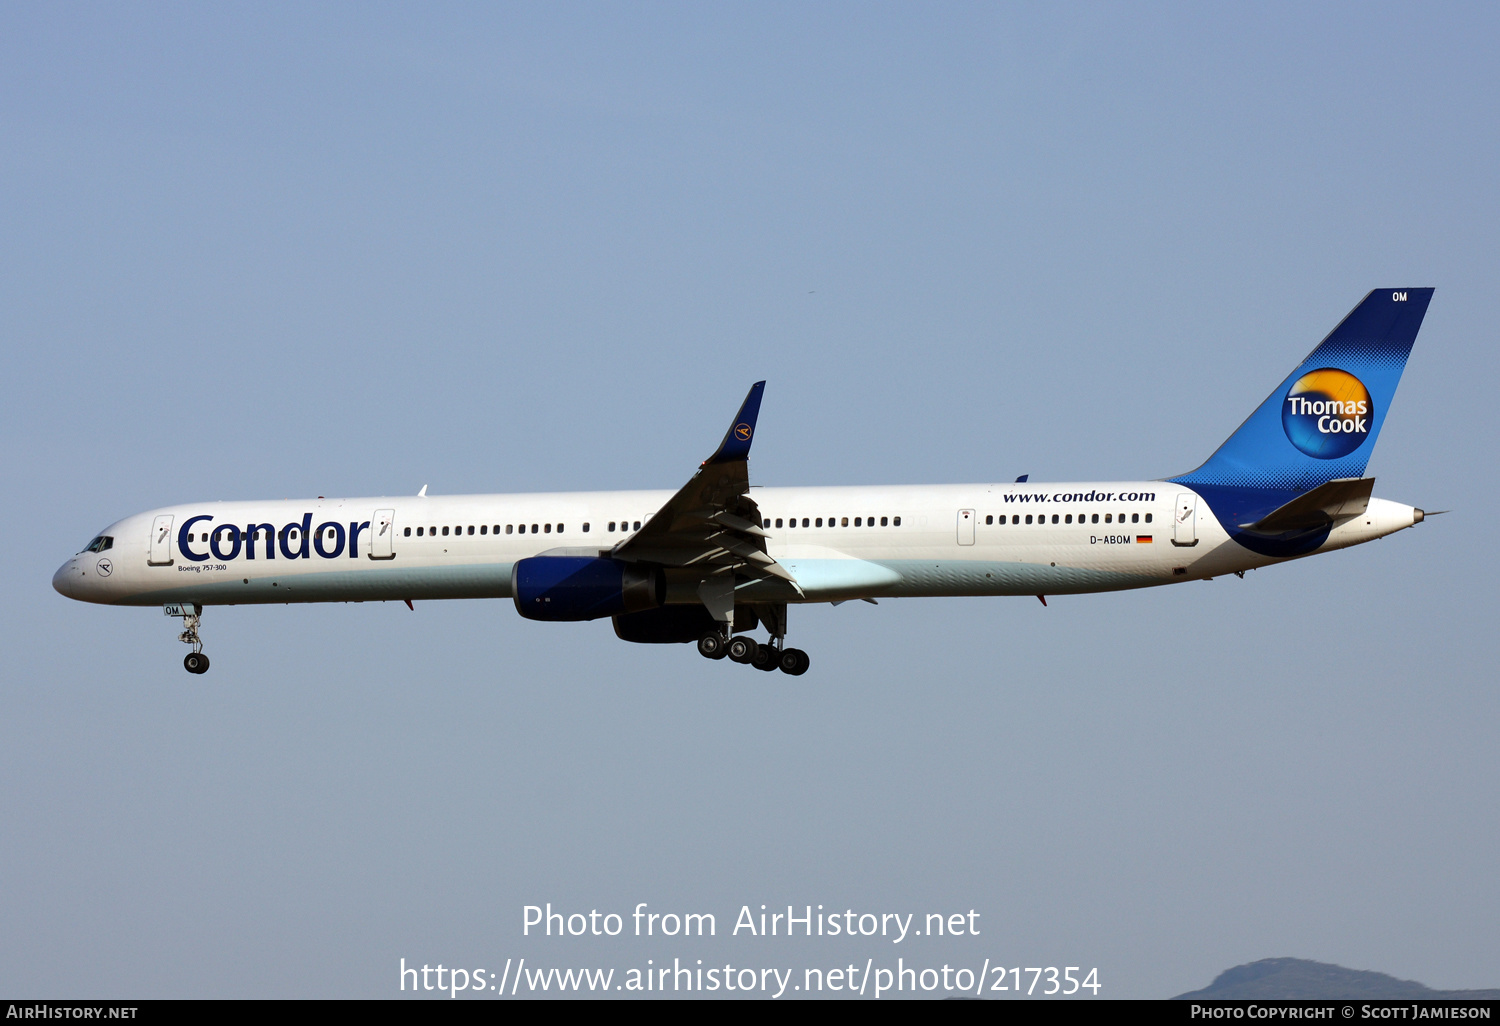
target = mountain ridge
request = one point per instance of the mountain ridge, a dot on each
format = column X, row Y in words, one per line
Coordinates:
column 1301, row 978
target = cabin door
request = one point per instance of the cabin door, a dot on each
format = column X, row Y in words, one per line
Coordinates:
column 1185, row 521
column 966, row 527
column 383, row 534
column 161, row 542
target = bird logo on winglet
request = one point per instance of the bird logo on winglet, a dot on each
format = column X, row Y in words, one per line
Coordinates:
column 743, row 432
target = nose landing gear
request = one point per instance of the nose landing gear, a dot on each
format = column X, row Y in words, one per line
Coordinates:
column 195, row 661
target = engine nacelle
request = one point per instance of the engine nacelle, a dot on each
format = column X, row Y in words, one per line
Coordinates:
column 583, row 587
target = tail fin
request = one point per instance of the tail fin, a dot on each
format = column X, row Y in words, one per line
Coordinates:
column 1321, row 422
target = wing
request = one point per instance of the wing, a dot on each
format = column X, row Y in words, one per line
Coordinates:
column 712, row 524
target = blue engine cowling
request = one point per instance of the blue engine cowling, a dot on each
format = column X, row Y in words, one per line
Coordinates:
column 583, row 587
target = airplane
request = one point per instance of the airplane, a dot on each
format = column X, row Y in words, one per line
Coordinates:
column 711, row 563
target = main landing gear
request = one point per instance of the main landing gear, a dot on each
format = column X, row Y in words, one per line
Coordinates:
column 741, row 648
column 195, row 661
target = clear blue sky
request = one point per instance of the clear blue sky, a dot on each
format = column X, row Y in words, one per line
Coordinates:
column 259, row 251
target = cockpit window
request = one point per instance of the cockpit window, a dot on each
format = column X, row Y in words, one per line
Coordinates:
column 100, row 544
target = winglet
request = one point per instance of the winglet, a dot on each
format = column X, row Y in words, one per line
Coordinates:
column 736, row 444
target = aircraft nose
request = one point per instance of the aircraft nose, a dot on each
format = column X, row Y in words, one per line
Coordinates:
column 63, row 579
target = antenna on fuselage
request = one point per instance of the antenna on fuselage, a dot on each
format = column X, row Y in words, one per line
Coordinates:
column 423, row 493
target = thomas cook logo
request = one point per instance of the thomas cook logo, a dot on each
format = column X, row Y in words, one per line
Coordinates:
column 743, row 432
column 1327, row 413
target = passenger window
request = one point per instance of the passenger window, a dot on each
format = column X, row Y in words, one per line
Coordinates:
column 406, row 533
column 896, row 522
column 637, row 525
column 1148, row 518
column 471, row 528
column 445, row 530
column 585, row 527
column 856, row 522
column 509, row 528
column 1096, row 518
column 1135, row 518
column 1028, row 518
column 883, row 521
column 1106, row 518
column 989, row 519
column 1054, row 518
column 1068, row 519
column 483, row 529
column 611, row 525
column 520, row 528
column 533, row 529
column 819, row 522
column 844, row 522
column 778, row 521
column 547, row 528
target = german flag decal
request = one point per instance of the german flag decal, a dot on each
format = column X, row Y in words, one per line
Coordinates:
column 1143, row 539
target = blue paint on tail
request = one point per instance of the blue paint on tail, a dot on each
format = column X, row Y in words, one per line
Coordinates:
column 1319, row 424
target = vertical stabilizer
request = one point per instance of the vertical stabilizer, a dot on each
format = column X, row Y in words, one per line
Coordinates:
column 1321, row 422
column 1319, row 425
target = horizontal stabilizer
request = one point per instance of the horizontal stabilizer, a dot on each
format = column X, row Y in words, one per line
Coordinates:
column 1339, row 498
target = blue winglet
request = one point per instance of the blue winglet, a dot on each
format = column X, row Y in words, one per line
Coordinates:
column 736, row 444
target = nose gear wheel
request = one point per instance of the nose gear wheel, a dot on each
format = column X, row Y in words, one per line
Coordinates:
column 195, row 661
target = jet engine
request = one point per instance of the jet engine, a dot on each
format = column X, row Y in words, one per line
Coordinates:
column 583, row 587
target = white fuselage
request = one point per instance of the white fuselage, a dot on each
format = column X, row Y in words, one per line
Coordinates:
column 872, row 542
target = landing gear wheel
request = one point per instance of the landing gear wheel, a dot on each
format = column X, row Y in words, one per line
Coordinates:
column 766, row 658
column 712, row 646
column 195, row 661
column 742, row 649
column 794, row 661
